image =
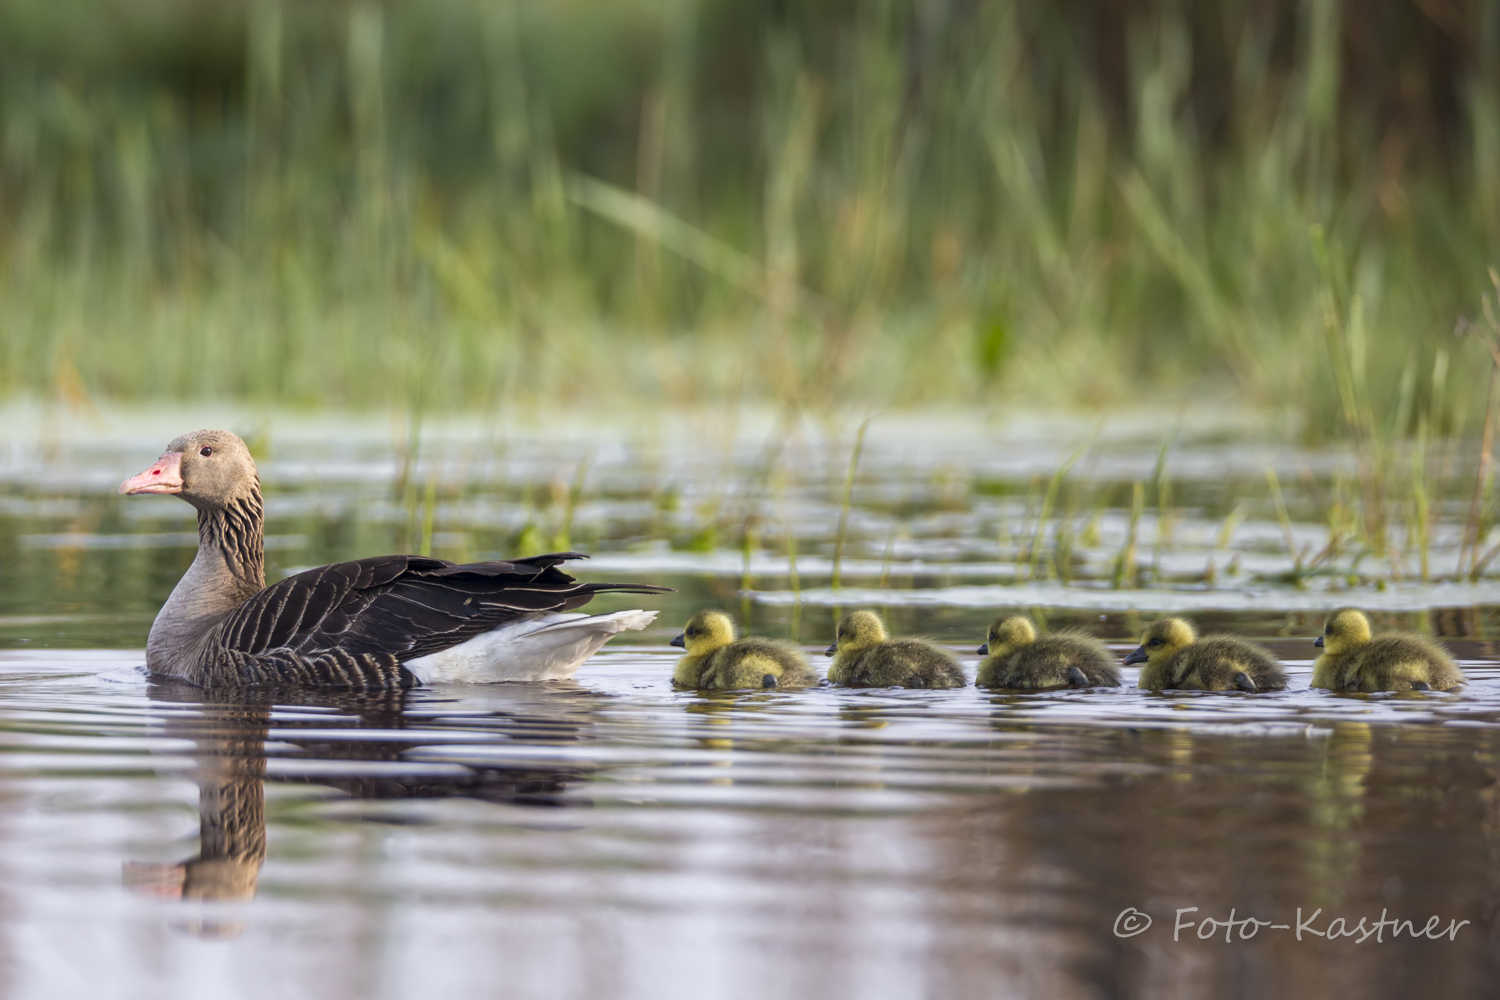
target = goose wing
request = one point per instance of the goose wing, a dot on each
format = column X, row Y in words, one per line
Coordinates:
column 406, row 606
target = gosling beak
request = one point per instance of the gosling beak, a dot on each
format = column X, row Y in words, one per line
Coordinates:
column 983, row 650
column 679, row 642
column 1318, row 642
column 831, row 650
column 163, row 477
column 1138, row 655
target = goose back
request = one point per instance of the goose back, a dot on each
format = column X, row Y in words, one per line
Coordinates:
column 354, row 624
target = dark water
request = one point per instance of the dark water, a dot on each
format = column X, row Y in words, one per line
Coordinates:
column 611, row 837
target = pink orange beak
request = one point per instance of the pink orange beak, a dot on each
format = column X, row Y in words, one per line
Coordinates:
column 163, row 477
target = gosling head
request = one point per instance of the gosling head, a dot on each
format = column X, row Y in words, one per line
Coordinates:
column 1008, row 635
column 1346, row 629
column 705, row 632
column 1161, row 640
column 858, row 630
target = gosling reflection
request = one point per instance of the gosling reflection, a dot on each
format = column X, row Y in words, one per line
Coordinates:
column 230, row 731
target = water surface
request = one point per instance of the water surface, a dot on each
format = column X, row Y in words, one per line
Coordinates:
column 612, row 837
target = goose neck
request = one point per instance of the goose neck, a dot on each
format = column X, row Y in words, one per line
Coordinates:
column 235, row 534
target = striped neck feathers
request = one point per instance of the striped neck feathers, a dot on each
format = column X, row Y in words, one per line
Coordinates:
column 236, row 533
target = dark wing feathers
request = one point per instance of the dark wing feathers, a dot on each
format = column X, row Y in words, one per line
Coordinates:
column 406, row 606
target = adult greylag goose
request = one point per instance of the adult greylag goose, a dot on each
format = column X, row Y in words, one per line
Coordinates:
column 384, row 622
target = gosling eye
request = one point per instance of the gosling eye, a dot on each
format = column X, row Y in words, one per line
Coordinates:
column 1328, row 630
column 205, row 451
column 1154, row 642
column 691, row 632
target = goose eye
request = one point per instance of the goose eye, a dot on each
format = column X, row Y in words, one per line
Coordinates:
column 1154, row 642
column 205, row 451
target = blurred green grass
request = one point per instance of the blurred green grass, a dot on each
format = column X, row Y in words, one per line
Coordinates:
column 451, row 204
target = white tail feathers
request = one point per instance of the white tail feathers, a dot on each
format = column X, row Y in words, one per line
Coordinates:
column 546, row 648
column 611, row 625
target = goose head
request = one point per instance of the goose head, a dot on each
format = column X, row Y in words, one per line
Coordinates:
column 705, row 632
column 1346, row 629
column 857, row 630
column 1007, row 635
column 1161, row 640
column 211, row 470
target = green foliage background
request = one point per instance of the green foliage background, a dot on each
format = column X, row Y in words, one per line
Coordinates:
column 450, row 204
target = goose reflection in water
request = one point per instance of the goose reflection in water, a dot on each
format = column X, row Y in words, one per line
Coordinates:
column 230, row 732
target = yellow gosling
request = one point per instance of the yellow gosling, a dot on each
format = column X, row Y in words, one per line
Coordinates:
column 1016, row 658
column 717, row 661
column 863, row 656
column 1175, row 658
column 1396, row 661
